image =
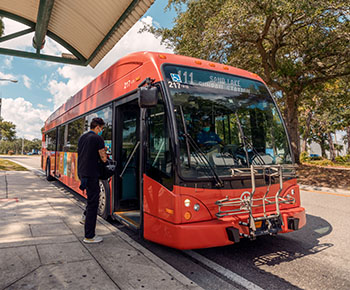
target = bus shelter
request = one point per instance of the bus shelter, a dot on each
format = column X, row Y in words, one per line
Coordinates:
column 88, row 29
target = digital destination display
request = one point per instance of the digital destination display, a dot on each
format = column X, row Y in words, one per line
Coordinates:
column 179, row 77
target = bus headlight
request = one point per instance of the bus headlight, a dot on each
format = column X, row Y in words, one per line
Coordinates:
column 187, row 202
column 196, row 207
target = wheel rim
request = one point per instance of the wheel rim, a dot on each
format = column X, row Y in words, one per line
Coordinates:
column 102, row 199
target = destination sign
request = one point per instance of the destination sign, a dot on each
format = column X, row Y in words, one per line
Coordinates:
column 179, row 77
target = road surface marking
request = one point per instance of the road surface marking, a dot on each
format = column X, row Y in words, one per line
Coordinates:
column 325, row 192
column 223, row 271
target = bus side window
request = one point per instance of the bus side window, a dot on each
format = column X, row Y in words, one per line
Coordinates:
column 106, row 115
column 62, row 138
column 75, row 130
column 51, row 140
column 159, row 160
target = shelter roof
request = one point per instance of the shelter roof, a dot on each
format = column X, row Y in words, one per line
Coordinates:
column 88, row 29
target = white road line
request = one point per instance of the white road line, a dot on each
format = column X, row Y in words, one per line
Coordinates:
column 223, row 271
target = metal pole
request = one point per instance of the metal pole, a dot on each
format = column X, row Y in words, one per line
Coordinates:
column 22, row 144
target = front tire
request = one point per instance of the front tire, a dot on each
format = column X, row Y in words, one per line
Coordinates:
column 104, row 200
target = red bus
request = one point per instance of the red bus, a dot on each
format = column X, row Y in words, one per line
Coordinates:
column 203, row 157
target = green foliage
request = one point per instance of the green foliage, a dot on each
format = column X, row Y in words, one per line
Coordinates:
column 323, row 162
column 342, row 159
column 15, row 146
column 293, row 45
column 7, row 130
column 304, row 156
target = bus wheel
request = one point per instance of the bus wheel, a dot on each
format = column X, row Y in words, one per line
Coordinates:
column 103, row 204
column 49, row 177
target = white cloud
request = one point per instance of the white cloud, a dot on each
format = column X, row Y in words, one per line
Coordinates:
column 8, row 62
column 22, row 42
column 25, row 42
column 78, row 77
column 27, row 81
column 28, row 119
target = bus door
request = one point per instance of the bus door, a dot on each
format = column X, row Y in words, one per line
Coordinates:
column 126, row 190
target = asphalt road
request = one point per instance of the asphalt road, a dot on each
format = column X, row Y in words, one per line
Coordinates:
column 315, row 257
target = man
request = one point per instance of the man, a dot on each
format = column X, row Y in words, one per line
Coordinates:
column 91, row 149
column 206, row 138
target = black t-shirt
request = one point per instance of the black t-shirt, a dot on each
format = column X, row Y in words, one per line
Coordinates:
column 88, row 156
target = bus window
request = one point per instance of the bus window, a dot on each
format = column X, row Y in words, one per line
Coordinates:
column 159, row 161
column 75, row 130
column 51, row 140
column 62, row 138
column 106, row 115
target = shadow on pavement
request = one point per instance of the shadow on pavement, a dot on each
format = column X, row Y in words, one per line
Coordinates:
column 250, row 258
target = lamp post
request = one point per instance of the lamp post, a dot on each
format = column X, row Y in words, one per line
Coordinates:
column 9, row 80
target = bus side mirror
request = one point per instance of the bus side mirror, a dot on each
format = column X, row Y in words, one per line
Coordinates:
column 148, row 97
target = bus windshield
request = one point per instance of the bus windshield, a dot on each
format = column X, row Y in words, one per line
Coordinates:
column 224, row 122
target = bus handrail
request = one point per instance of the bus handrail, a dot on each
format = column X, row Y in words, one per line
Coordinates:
column 129, row 159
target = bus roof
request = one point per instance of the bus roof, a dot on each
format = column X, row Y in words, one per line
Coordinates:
column 128, row 70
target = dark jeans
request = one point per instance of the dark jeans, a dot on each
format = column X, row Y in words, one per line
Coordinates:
column 93, row 196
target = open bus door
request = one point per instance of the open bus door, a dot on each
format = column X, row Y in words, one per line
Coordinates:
column 126, row 190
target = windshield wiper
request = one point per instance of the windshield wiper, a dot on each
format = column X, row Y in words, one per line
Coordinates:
column 246, row 141
column 185, row 131
column 198, row 152
column 201, row 156
column 243, row 139
column 254, row 150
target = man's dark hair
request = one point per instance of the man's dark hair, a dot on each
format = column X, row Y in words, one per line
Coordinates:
column 96, row 122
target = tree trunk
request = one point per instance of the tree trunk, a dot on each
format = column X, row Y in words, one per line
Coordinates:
column 348, row 137
column 293, row 125
column 331, row 147
column 307, row 131
column 323, row 148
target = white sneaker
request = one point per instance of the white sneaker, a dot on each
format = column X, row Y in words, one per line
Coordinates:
column 96, row 239
column 82, row 220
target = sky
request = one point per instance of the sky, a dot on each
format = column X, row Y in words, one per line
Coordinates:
column 43, row 86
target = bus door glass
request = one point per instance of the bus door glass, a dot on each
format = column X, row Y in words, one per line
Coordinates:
column 127, row 197
column 51, row 149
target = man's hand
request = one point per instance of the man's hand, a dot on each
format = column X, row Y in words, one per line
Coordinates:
column 103, row 154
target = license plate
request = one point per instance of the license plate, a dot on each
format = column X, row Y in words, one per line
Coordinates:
column 258, row 224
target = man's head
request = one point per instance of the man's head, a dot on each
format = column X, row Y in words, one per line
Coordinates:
column 205, row 124
column 97, row 125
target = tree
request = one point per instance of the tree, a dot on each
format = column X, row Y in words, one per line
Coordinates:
column 292, row 45
column 323, row 111
column 7, row 130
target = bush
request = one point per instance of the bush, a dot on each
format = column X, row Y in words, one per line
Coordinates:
column 340, row 159
column 304, row 157
column 324, row 162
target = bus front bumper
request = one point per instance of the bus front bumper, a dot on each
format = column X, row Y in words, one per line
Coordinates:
column 213, row 233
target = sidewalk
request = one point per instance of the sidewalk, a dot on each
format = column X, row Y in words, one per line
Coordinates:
column 41, row 245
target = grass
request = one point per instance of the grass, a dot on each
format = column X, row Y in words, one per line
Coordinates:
column 7, row 165
column 327, row 163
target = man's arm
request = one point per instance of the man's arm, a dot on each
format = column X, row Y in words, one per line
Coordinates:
column 103, row 154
